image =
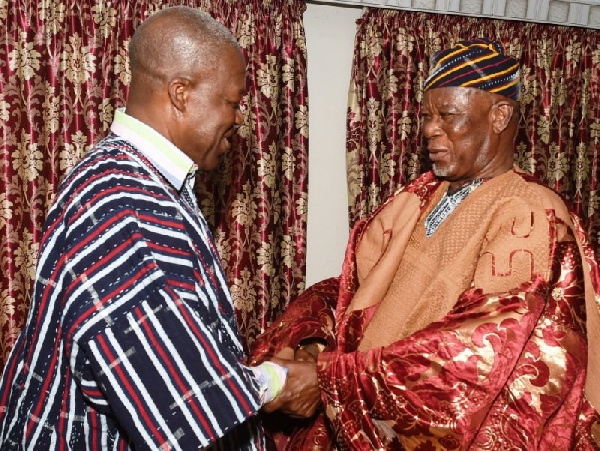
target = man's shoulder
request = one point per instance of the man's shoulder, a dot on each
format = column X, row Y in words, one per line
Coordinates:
column 109, row 158
column 111, row 176
column 536, row 193
column 109, row 150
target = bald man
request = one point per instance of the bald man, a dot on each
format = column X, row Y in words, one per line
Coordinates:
column 131, row 341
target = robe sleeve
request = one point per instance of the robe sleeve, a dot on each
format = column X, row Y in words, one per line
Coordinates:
column 145, row 347
column 310, row 315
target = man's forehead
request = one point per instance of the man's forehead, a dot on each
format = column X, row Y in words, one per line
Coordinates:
column 455, row 95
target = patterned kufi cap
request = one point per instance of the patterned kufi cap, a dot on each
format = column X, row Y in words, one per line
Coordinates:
column 480, row 64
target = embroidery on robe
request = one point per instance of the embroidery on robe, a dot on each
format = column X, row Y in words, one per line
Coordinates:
column 447, row 205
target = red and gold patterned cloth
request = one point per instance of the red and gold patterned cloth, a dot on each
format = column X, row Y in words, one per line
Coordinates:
column 473, row 339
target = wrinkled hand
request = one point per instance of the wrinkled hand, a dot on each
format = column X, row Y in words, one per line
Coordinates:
column 307, row 353
column 301, row 396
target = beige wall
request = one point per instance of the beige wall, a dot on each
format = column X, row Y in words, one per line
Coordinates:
column 330, row 34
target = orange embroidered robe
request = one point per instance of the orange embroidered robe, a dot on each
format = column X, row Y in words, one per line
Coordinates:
column 472, row 338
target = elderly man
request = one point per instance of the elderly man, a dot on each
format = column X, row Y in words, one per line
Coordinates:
column 131, row 341
column 457, row 321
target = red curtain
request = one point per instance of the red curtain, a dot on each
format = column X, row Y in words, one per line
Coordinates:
column 63, row 71
column 257, row 200
column 559, row 134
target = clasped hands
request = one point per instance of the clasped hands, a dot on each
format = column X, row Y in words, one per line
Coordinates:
column 301, row 396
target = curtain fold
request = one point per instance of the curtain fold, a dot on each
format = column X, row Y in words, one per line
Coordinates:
column 257, row 200
column 559, row 129
column 63, row 71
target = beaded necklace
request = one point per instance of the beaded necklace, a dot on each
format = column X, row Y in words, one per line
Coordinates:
column 447, row 204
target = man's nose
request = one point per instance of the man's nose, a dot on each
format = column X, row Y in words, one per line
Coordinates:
column 430, row 128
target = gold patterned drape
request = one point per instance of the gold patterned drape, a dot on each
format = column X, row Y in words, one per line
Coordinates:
column 63, row 71
column 559, row 130
column 257, row 200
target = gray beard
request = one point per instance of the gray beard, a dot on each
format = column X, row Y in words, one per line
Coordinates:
column 439, row 172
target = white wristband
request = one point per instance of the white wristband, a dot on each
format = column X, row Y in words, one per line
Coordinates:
column 271, row 378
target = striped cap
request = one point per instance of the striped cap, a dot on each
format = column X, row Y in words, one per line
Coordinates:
column 480, row 64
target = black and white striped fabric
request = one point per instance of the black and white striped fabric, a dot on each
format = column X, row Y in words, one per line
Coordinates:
column 131, row 341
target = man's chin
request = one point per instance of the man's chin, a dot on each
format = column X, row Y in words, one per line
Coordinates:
column 439, row 171
column 211, row 162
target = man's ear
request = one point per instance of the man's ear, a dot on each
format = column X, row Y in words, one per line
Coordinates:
column 179, row 88
column 502, row 112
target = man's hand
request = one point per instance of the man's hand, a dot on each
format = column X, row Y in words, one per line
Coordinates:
column 286, row 353
column 307, row 353
column 301, row 395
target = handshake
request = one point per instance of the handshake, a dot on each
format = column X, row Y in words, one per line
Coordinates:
column 300, row 396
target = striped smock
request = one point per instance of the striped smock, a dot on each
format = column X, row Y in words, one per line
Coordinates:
column 131, row 341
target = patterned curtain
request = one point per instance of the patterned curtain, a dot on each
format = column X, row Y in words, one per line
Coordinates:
column 559, row 132
column 257, row 200
column 63, row 71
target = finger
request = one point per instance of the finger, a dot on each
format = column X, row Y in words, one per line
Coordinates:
column 300, row 412
column 304, row 356
column 283, row 362
column 274, row 405
column 303, row 408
